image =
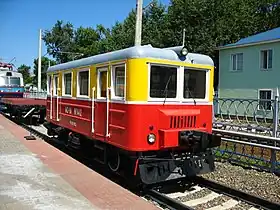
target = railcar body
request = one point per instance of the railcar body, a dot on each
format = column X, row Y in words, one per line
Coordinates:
column 149, row 110
column 11, row 84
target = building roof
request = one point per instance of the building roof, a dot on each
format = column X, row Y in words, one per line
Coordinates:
column 260, row 38
column 146, row 51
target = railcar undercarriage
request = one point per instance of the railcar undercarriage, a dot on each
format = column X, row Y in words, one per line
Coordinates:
column 193, row 156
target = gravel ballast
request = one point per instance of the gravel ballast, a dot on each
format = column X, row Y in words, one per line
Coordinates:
column 263, row 184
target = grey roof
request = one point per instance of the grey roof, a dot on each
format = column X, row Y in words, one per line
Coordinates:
column 146, row 51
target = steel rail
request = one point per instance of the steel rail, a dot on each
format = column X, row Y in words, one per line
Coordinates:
column 166, row 201
column 231, row 192
column 251, row 144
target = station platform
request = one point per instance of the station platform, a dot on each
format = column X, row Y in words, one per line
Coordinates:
column 36, row 175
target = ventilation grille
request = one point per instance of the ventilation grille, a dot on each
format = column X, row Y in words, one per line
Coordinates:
column 182, row 121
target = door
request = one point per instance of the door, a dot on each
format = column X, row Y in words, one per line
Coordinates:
column 102, row 104
column 55, row 98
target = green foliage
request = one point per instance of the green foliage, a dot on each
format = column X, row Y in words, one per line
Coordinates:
column 44, row 66
column 208, row 24
column 25, row 71
column 60, row 39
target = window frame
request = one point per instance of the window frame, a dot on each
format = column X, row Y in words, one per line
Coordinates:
column 177, row 98
column 63, row 83
column 113, row 82
column 78, row 84
column 231, row 61
column 261, row 62
column 259, row 91
column 207, row 85
column 99, row 70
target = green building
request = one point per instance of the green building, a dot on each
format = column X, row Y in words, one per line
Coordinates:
column 250, row 69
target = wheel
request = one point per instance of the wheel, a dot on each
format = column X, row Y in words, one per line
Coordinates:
column 113, row 159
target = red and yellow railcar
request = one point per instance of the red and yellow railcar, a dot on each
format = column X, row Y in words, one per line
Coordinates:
column 149, row 110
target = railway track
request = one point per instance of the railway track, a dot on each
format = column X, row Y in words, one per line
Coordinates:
column 203, row 194
column 198, row 194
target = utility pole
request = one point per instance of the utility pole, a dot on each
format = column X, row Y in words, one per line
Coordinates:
column 39, row 60
column 184, row 35
column 138, row 28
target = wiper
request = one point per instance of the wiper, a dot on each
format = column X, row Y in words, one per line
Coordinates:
column 194, row 101
column 166, row 89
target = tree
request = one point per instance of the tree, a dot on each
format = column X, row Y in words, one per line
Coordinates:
column 154, row 25
column 60, row 40
column 86, row 41
column 25, row 71
column 44, row 66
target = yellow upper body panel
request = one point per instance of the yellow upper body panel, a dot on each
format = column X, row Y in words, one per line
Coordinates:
column 136, row 77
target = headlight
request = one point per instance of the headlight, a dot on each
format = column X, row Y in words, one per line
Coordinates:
column 184, row 51
column 151, row 138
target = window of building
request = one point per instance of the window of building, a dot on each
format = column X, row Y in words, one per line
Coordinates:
column 67, row 81
column 194, row 83
column 237, row 62
column 163, row 82
column 266, row 59
column 83, row 83
column 265, row 97
column 102, row 83
column 119, row 81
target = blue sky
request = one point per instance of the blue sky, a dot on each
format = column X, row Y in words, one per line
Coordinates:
column 20, row 21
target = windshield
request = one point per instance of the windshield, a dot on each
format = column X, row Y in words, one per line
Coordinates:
column 14, row 81
column 3, row 81
column 163, row 82
column 194, row 83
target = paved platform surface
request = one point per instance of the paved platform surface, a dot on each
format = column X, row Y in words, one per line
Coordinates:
column 35, row 175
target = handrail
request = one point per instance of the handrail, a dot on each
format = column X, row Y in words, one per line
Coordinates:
column 92, row 110
column 107, row 113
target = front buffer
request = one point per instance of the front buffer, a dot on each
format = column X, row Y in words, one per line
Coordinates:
column 194, row 156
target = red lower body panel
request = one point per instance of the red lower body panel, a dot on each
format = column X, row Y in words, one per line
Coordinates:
column 130, row 124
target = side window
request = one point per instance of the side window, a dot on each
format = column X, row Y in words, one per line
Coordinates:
column 67, row 81
column 55, row 85
column 49, row 84
column 163, row 82
column 83, row 83
column 194, row 83
column 102, row 82
column 119, row 81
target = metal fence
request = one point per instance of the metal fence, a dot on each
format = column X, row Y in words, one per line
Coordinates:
column 247, row 115
column 257, row 151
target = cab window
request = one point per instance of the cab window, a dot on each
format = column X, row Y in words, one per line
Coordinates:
column 163, row 82
column 194, row 83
